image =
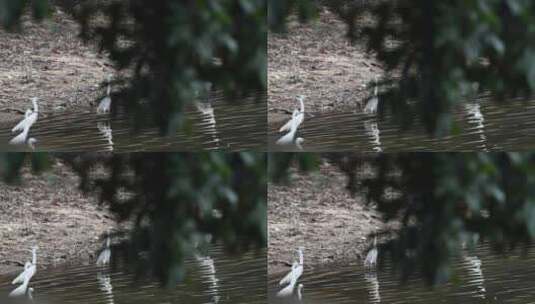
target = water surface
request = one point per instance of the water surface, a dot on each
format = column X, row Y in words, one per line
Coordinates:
column 222, row 126
column 484, row 126
column 211, row 278
column 479, row 277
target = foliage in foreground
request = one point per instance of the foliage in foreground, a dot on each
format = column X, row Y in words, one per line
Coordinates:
column 437, row 54
column 173, row 51
column 443, row 200
column 177, row 202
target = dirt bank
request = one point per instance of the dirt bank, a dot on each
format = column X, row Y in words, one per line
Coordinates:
column 49, row 211
column 316, row 60
column 49, row 61
column 316, row 211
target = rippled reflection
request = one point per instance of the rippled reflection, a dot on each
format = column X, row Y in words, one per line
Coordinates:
column 105, row 286
column 372, row 129
column 373, row 287
column 475, row 275
column 478, row 276
column 214, row 278
column 208, row 272
column 219, row 125
column 476, row 118
column 482, row 125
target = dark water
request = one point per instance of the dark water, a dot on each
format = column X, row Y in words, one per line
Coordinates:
column 478, row 277
column 212, row 278
column 225, row 127
column 484, row 126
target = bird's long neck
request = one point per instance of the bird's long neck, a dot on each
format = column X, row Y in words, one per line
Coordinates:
column 374, row 241
column 302, row 105
column 108, row 90
column 34, row 256
column 35, row 108
column 108, row 242
column 301, row 258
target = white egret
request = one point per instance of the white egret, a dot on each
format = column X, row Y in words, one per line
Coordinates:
column 105, row 103
column 22, row 290
column 22, row 138
column 290, row 137
column 371, row 106
column 292, row 277
column 288, row 290
column 288, row 124
column 104, row 256
column 22, row 275
column 297, row 115
column 22, row 123
column 29, row 119
column 29, row 269
column 288, row 277
column 371, row 257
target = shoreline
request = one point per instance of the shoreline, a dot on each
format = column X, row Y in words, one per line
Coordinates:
column 315, row 59
column 48, row 60
column 317, row 212
column 66, row 225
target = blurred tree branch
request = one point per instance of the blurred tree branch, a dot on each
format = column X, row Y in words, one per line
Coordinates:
column 177, row 202
column 443, row 200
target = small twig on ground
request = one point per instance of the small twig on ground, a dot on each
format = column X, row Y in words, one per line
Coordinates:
column 280, row 110
column 18, row 263
column 12, row 110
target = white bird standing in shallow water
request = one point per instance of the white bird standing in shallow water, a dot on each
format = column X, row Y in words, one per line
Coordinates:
column 22, row 275
column 298, row 115
column 29, row 269
column 290, row 137
column 30, row 117
column 22, row 123
column 292, row 277
column 371, row 257
column 105, row 103
column 371, row 106
column 104, row 256
column 22, row 290
column 25, row 277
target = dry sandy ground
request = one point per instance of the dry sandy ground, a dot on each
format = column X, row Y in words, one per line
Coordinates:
column 48, row 60
column 49, row 211
column 317, row 212
column 316, row 60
